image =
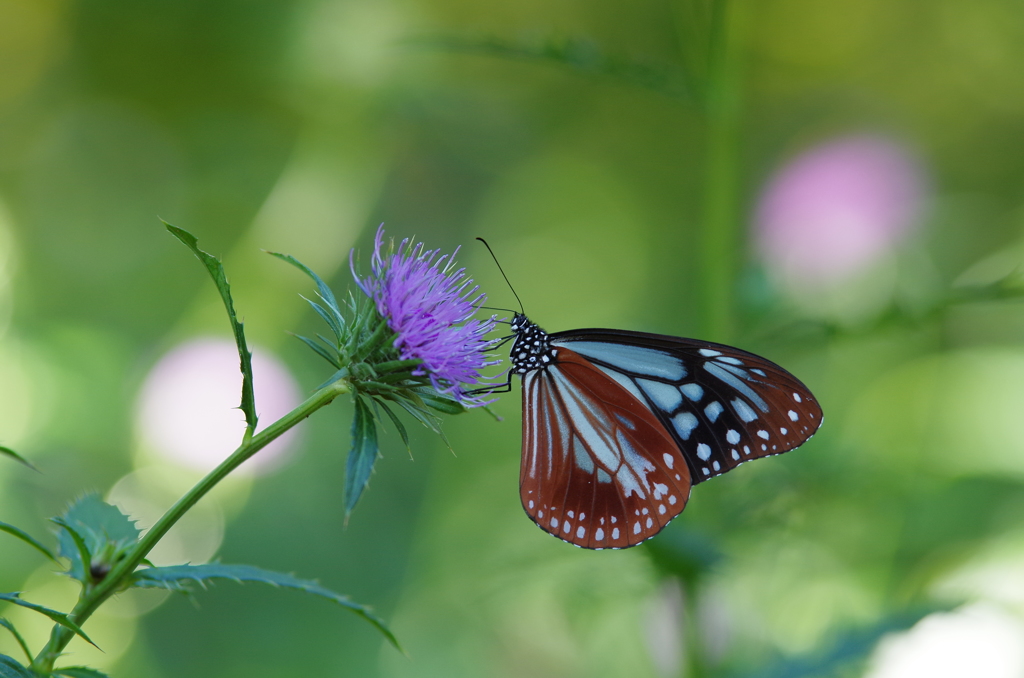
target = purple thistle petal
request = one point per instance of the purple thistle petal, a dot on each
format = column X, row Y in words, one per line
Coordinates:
column 430, row 307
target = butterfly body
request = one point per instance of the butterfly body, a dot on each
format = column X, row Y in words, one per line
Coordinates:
column 618, row 426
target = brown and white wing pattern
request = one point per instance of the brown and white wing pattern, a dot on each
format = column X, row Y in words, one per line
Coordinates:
column 599, row 469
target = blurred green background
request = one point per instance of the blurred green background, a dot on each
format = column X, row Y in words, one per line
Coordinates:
column 832, row 185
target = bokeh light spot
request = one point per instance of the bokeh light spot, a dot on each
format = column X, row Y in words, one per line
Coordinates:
column 187, row 407
column 837, row 208
column 979, row 640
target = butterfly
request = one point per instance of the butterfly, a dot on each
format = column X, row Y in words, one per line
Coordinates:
column 619, row 425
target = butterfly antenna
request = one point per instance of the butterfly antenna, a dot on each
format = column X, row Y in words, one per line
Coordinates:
column 503, row 274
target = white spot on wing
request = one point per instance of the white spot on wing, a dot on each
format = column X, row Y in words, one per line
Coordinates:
column 732, row 436
column 763, row 435
column 709, row 353
column 715, row 465
column 793, row 416
column 743, row 410
column 668, row 459
column 615, row 532
column 796, row 397
column 703, row 451
column 713, row 410
column 692, row 391
column 636, row 527
column 665, row 396
column 580, row 532
column 684, row 423
column 531, row 503
column 599, row 535
column 649, row 523
column 661, row 509
column 672, row 499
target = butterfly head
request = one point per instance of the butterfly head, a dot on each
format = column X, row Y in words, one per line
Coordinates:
column 531, row 350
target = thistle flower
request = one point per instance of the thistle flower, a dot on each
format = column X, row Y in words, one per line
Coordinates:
column 411, row 343
column 429, row 305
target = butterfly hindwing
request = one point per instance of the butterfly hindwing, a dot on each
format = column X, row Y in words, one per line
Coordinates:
column 723, row 406
column 599, row 469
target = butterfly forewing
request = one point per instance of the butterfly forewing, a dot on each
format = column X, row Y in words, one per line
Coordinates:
column 721, row 405
column 599, row 469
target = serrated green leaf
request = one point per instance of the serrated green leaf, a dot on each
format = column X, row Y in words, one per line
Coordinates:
column 81, row 559
column 8, row 452
column 17, row 636
column 176, row 577
column 56, row 616
column 79, row 672
column 12, row 668
column 216, row 270
column 102, row 527
column 362, row 456
column 25, row 537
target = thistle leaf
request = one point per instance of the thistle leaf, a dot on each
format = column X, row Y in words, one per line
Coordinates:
column 319, row 350
column 397, row 422
column 102, row 529
column 17, row 636
column 25, row 537
column 79, row 672
column 216, row 270
column 362, row 455
column 436, row 401
column 11, row 668
column 322, row 289
column 81, row 558
column 56, row 616
column 8, row 452
column 178, row 577
column 328, row 318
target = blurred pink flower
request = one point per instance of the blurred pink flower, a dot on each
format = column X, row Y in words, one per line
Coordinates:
column 836, row 208
column 188, row 406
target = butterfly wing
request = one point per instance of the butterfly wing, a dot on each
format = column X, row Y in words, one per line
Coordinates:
column 721, row 405
column 599, row 470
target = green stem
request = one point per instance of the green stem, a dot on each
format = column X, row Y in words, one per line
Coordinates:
column 120, row 575
column 719, row 235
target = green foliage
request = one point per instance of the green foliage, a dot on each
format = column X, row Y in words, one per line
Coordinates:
column 216, row 270
column 363, row 454
column 8, row 452
column 28, row 539
column 178, row 577
column 79, row 672
column 17, row 636
column 59, row 617
column 11, row 668
column 95, row 535
column 580, row 56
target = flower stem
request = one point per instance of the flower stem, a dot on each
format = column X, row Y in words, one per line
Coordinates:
column 119, row 577
column 719, row 232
